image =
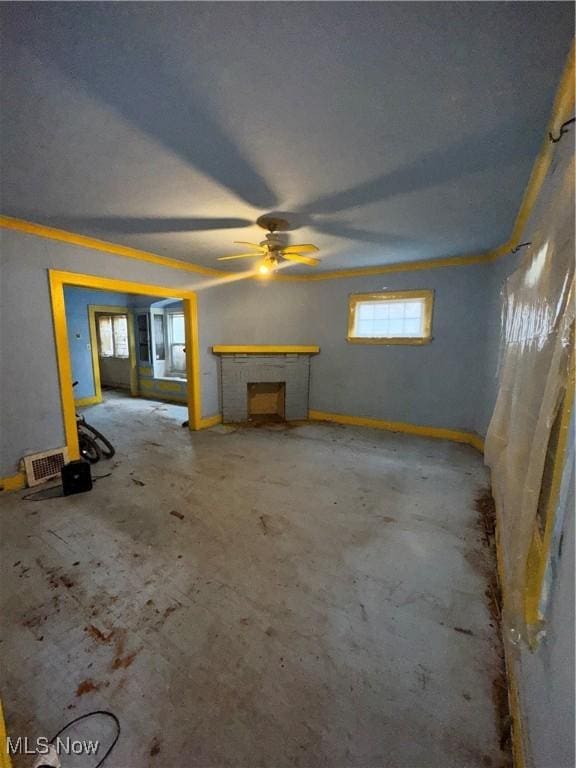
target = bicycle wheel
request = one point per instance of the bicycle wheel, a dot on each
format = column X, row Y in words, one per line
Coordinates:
column 106, row 447
column 89, row 449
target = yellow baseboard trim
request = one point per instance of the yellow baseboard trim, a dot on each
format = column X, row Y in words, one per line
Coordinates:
column 13, row 483
column 399, row 426
column 211, row 421
column 82, row 402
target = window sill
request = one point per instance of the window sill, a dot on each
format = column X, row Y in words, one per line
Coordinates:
column 410, row 342
column 171, row 378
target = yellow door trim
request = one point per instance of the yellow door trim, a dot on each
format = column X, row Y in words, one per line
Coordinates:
column 57, row 281
column 93, row 310
column 562, row 110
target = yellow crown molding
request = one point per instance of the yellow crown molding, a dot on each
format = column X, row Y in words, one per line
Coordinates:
column 562, row 110
column 440, row 433
column 264, row 349
column 72, row 238
column 409, row 266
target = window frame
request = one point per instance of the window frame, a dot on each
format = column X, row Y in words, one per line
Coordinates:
column 170, row 370
column 112, row 316
column 355, row 299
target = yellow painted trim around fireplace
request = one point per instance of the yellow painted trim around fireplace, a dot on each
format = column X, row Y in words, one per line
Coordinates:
column 264, row 349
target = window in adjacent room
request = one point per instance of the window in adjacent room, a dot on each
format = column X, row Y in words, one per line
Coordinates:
column 159, row 341
column 176, row 342
column 113, row 335
column 395, row 317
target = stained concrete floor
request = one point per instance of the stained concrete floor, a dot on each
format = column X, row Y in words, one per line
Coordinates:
column 275, row 596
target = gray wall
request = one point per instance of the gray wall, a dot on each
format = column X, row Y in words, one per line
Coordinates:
column 497, row 274
column 247, row 312
column 442, row 384
column 439, row 384
column 30, row 413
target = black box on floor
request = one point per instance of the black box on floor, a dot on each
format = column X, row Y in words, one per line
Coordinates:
column 76, row 477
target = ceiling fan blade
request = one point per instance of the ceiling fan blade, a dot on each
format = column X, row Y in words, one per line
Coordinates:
column 304, row 248
column 301, row 259
column 240, row 256
column 261, row 248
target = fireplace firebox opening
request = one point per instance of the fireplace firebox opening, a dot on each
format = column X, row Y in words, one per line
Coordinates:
column 267, row 401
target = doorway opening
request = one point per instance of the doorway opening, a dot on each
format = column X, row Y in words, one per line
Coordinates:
column 121, row 341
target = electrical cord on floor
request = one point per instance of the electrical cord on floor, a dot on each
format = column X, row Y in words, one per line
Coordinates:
column 104, row 712
column 47, row 493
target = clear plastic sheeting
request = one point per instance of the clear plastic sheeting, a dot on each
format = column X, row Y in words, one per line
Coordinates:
column 536, row 344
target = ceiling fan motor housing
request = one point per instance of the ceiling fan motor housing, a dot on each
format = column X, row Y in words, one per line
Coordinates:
column 272, row 242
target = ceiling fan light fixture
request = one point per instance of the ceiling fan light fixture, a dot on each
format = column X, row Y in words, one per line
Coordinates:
column 273, row 252
column 268, row 265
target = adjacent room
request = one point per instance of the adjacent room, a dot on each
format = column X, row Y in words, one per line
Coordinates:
column 287, row 315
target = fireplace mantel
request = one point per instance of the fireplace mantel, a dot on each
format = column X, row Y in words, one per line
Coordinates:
column 272, row 349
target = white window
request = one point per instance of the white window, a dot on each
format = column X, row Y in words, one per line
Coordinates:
column 176, row 342
column 399, row 317
column 113, row 335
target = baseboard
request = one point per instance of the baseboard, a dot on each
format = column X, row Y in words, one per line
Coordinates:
column 210, row 421
column 13, row 483
column 470, row 438
column 84, row 401
column 439, row 433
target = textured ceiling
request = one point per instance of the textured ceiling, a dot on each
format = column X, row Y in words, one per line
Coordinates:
column 388, row 131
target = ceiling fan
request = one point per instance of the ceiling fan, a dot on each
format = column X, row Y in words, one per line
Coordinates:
column 272, row 250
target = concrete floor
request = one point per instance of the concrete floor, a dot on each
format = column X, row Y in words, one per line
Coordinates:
column 275, row 596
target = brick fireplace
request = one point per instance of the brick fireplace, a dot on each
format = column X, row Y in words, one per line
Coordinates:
column 264, row 382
